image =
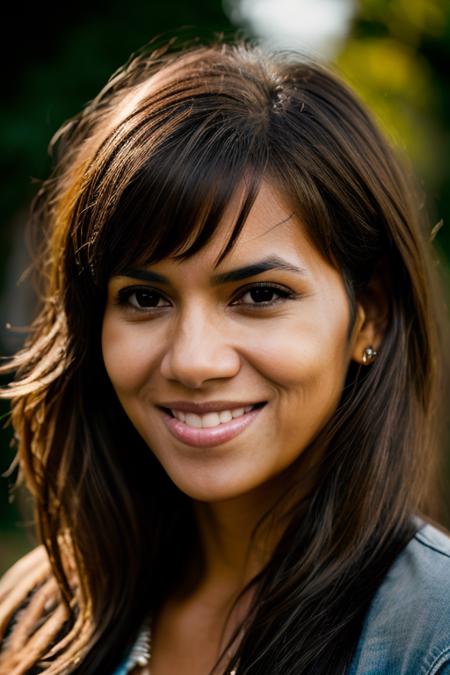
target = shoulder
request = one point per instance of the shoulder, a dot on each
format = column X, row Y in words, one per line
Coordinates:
column 407, row 628
column 421, row 571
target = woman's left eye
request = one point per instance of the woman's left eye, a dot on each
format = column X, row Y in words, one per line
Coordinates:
column 261, row 293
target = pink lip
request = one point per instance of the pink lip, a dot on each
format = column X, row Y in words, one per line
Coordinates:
column 212, row 436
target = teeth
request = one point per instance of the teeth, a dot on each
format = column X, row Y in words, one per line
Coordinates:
column 226, row 415
column 212, row 419
column 237, row 412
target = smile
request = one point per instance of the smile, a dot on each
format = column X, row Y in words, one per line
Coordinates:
column 211, row 419
column 212, row 428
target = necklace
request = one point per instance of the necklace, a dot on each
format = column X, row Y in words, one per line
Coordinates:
column 141, row 651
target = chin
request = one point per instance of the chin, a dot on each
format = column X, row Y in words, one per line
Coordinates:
column 213, row 488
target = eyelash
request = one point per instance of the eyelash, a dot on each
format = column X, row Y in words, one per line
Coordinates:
column 124, row 295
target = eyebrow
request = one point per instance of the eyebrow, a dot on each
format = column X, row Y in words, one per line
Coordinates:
column 270, row 263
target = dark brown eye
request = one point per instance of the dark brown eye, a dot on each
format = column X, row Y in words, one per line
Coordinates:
column 146, row 297
column 264, row 294
column 140, row 298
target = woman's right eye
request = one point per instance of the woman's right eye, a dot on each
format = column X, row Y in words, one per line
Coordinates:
column 139, row 298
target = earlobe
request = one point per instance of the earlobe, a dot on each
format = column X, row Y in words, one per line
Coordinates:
column 369, row 355
column 365, row 337
column 372, row 318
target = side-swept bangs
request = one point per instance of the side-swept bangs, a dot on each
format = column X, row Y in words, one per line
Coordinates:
column 177, row 192
column 160, row 182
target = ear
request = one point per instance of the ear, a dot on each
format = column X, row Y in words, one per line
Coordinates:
column 371, row 319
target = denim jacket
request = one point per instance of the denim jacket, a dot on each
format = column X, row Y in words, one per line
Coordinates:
column 407, row 628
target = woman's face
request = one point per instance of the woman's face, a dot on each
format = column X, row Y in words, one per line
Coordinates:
column 278, row 336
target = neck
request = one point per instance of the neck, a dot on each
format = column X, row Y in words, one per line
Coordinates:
column 226, row 533
column 233, row 551
column 236, row 540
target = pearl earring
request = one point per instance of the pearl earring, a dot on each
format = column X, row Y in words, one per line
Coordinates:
column 369, row 355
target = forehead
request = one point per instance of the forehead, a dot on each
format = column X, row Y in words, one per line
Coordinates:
column 272, row 227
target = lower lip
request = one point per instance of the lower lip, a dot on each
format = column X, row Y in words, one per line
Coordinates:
column 210, row 436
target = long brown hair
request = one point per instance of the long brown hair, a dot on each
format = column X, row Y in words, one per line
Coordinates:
column 144, row 171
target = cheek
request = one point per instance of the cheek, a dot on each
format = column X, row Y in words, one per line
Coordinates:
column 126, row 354
column 307, row 350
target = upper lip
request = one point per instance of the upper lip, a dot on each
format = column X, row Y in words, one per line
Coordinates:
column 207, row 406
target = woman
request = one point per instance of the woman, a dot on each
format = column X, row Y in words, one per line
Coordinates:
column 227, row 409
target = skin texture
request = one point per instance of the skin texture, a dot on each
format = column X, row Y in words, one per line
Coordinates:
column 197, row 346
column 204, row 343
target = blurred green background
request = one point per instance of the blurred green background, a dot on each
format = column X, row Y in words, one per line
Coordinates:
column 395, row 53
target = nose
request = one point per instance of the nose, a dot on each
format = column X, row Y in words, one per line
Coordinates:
column 199, row 349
